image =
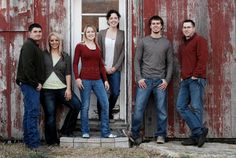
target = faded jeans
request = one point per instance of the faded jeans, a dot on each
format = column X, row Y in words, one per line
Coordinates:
column 190, row 104
column 142, row 96
column 98, row 88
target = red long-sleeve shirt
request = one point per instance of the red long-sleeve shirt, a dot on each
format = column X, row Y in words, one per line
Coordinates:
column 193, row 55
column 92, row 66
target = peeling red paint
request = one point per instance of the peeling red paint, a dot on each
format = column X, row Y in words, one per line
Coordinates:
column 221, row 48
column 3, row 24
column 59, row 12
column 41, row 11
column 215, row 21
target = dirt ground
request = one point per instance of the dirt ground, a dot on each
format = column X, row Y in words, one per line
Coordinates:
column 18, row 150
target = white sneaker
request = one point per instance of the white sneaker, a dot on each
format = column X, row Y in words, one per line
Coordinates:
column 160, row 140
column 111, row 136
column 86, row 135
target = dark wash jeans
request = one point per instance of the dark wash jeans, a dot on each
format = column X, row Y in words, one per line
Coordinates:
column 114, row 82
column 51, row 98
column 31, row 115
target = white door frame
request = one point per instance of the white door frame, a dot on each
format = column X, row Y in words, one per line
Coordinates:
column 76, row 27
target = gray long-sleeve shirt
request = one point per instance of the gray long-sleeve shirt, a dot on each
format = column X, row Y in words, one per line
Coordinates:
column 153, row 59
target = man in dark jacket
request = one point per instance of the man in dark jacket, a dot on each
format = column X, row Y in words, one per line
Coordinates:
column 30, row 78
column 193, row 55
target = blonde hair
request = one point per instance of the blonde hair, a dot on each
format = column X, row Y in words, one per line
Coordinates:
column 95, row 30
column 59, row 39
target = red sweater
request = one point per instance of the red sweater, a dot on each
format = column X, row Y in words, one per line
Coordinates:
column 92, row 66
column 193, row 55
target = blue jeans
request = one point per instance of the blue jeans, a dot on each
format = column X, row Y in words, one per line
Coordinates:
column 142, row 96
column 98, row 88
column 50, row 99
column 31, row 115
column 114, row 82
column 190, row 104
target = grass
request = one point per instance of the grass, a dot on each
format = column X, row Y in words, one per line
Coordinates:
column 18, row 150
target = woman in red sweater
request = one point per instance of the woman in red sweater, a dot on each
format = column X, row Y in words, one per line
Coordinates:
column 89, row 78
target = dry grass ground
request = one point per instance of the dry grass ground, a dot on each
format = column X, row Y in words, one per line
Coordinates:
column 18, row 150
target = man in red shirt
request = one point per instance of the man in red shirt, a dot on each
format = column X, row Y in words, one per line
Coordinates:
column 193, row 54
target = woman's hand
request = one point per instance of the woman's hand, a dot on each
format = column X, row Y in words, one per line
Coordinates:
column 106, row 85
column 79, row 84
column 110, row 70
column 68, row 94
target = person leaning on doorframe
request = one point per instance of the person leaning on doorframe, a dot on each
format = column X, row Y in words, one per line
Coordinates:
column 30, row 76
column 193, row 55
column 111, row 41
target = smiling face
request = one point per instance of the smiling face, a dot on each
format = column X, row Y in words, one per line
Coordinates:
column 188, row 29
column 90, row 34
column 54, row 42
column 113, row 20
column 156, row 26
column 36, row 34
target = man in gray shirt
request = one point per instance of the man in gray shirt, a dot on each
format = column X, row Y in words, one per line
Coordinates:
column 153, row 65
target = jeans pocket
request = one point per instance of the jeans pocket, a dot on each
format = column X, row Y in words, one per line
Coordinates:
column 202, row 82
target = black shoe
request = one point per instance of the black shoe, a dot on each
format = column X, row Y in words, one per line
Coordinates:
column 66, row 134
column 138, row 141
column 189, row 142
column 202, row 137
column 115, row 111
column 128, row 134
column 205, row 131
column 133, row 141
column 111, row 117
column 70, row 134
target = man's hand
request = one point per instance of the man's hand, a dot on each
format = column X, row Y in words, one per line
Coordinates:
column 194, row 78
column 142, row 84
column 163, row 85
column 39, row 87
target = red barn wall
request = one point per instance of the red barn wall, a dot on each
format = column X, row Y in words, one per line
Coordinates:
column 215, row 20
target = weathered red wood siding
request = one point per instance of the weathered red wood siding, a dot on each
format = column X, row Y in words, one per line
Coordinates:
column 215, row 20
column 15, row 17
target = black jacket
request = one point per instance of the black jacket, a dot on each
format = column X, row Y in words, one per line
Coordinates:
column 61, row 69
column 31, row 66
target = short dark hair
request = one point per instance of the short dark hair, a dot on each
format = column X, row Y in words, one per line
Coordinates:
column 111, row 12
column 189, row 20
column 156, row 17
column 30, row 28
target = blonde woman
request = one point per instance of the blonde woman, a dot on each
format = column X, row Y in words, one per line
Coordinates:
column 57, row 90
column 90, row 78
